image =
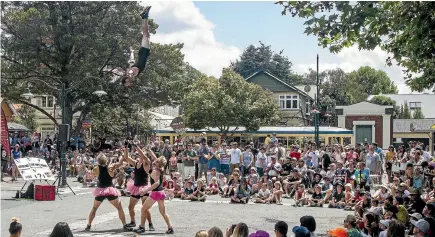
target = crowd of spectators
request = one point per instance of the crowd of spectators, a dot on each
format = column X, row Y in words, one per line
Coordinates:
column 382, row 188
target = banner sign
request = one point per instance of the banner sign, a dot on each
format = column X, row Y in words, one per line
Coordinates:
column 5, row 134
column 34, row 169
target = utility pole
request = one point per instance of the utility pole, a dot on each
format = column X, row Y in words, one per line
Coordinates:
column 317, row 113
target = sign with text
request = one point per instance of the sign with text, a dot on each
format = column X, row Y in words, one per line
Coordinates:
column 34, row 169
column 177, row 123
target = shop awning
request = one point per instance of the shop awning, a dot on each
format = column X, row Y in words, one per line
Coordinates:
column 15, row 127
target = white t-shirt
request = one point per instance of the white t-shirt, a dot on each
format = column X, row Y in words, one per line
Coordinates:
column 235, row 156
column 314, row 158
column 262, row 193
column 426, row 156
column 261, row 161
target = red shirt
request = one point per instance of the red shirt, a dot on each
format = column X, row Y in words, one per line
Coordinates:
column 295, row 154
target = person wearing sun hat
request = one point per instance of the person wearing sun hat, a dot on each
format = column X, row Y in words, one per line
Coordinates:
column 421, row 227
column 338, row 232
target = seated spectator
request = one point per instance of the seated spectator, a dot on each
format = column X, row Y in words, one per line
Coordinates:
column 199, row 192
column 169, row 190
column 381, row 194
column 327, row 189
column 301, row 231
column 277, row 193
column 213, row 187
column 417, row 204
column 316, row 199
column 187, row 191
column 421, row 228
column 383, row 226
column 363, row 205
column 300, row 198
column 15, row 228
column 390, row 212
column 263, row 195
column 61, row 229
column 215, row 232
column 291, row 183
column 338, row 200
column 281, row 229
column 357, row 197
column 232, row 185
column 201, row 233
column 242, row 193
column 395, row 229
column 370, row 224
column 212, row 175
column 310, row 223
column 338, row 232
column 260, row 233
column 351, row 225
column 402, row 213
column 221, row 181
column 239, row 230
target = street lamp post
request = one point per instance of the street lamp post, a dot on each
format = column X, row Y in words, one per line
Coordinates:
column 63, row 160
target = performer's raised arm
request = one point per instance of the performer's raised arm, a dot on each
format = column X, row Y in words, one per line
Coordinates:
column 144, row 50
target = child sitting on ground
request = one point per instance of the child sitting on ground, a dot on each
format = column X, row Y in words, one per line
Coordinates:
column 277, row 193
column 300, row 198
column 316, row 199
column 263, row 195
column 213, row 187
column 169, row 190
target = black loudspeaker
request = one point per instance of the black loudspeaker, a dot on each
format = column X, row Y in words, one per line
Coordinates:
column 63, row 132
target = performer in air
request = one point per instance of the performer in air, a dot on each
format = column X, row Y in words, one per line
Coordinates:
column 144, row 50
column 141, row 168
column 157, row 193
column 105, row 190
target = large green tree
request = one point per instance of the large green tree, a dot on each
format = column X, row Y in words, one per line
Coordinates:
column 263, row 58
column 229, row 101
column 404, row 29
column 26, row 116
column 117, row 122
column 82, row 45
column 368, row 81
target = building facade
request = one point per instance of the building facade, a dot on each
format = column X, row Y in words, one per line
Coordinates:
column 369, row 122
column 294, row 103
column 422, row 130
column 414, row 101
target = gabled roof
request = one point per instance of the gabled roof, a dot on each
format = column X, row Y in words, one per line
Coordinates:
column 281, row 81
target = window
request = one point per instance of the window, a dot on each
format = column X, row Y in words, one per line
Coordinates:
column 289, row 101
column 47, row 101
column 414, row 105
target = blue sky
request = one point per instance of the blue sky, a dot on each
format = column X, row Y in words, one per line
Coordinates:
column 216, row 33
column 262, row 21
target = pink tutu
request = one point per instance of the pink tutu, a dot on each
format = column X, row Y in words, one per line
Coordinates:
column 106, row 192
column 135, row 190
column 158, row 195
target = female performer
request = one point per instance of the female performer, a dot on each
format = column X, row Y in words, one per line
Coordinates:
column 144, row 51
column 141, row 169
column 157, row 194
column 105, row 190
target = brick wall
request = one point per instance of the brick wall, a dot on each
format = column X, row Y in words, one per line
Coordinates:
column 378, row 125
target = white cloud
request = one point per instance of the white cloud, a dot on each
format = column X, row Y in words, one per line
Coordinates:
column 201, row 49
column 350, row 59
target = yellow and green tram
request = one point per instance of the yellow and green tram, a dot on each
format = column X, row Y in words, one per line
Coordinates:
column 286, row 135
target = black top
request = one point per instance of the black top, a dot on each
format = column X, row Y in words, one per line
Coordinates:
column 140, row 176
column 104, row 178
column 160, row 187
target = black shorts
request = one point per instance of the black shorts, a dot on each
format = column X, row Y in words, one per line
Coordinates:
column 140, row 196
column 388, row 165
column 110, row 198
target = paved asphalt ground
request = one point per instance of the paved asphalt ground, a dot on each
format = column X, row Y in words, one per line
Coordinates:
column 39, row 218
